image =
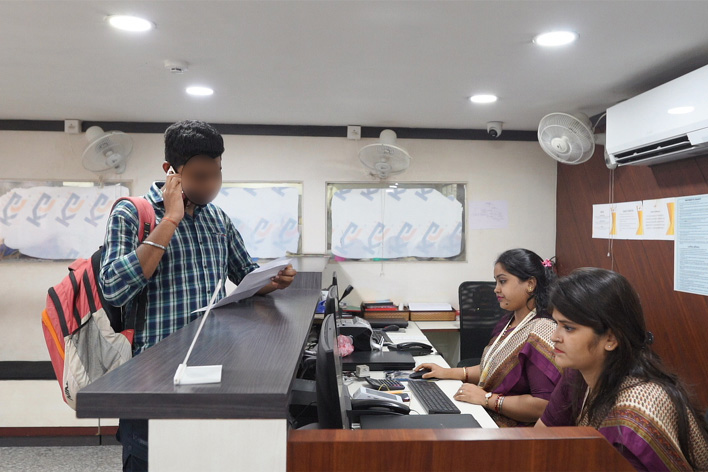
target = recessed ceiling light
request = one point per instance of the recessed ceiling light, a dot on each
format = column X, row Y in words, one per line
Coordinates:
column 130, row 23
column 200, row 91
column 483, row 98
column 555, row 38
column 680, row 110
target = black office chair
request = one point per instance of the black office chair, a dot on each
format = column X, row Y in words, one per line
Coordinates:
column 479, row 313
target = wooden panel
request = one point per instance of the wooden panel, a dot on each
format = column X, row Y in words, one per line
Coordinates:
column 258, row 341
column 678, row 320
column 58, row 431
column 409, row 450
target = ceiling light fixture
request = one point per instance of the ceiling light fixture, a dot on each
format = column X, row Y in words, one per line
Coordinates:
column 200, row 91
column 130, row 23
column 555, row 38
column 680, row 110
column 483, row 98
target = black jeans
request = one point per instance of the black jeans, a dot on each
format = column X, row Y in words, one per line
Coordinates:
column 133, row 435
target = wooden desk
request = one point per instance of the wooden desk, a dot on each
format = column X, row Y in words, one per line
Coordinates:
column 432, row 450
column 259, row 342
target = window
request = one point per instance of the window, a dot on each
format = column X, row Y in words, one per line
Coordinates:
column 404, row 221
column 54, row 219
column 267, row 214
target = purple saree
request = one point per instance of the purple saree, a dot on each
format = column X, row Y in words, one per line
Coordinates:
column 523, row 366
column 641, row 425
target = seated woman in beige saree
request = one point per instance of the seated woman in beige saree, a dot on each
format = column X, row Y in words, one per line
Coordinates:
column 517, row 373
column 614, row 382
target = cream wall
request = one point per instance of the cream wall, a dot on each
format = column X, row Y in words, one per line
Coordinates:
column 518, row 172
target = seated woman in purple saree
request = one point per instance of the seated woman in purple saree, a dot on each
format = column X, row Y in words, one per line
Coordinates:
column 620, row 386
column 517, row 373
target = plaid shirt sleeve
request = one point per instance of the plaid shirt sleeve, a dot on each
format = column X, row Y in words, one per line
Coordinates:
column 240, row 262
column 121, row 276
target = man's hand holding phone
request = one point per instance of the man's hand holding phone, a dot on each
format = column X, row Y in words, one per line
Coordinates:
column 173, row 196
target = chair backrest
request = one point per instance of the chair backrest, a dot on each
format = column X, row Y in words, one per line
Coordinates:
column 479, row 313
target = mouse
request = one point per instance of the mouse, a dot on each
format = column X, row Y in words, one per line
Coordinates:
column 418, row 374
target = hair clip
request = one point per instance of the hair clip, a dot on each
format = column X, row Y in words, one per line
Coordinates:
column 547, row 263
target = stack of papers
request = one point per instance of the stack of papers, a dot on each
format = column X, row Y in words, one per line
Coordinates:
column 429, row 307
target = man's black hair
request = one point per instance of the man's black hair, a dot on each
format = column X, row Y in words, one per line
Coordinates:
column 186, row 139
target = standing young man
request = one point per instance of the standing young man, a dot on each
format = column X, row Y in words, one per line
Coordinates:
column 193, row 245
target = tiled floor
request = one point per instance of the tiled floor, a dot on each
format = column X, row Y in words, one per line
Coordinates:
column 61, row 459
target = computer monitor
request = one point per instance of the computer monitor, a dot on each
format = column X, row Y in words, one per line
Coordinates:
column 332, row 395
column 332, row 302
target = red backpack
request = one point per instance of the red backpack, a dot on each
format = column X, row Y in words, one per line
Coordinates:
column 86, row 336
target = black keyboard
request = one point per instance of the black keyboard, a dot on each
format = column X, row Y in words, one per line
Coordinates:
column 432, row 397
column 385, row 384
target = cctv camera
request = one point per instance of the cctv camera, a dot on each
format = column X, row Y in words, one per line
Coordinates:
column 494, row 129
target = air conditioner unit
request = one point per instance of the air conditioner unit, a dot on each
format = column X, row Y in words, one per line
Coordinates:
column 666, row 123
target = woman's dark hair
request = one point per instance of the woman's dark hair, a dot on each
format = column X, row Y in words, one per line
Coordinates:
column 186, row 139
column 605, row 301
column 525, row 264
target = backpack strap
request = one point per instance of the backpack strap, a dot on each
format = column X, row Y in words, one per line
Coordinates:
column 146, row 215
column 146, row 223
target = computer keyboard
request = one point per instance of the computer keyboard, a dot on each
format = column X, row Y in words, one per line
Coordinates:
column 385, row 384
column 432, row 397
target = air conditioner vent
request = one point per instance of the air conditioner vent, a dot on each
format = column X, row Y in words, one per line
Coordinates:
column 680, row 143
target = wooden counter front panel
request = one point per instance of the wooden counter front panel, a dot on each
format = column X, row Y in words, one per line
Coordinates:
column 527, row 449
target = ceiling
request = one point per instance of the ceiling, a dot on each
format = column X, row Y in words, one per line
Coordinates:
column 335, row 63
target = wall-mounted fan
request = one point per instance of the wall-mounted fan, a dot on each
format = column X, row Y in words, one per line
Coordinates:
column 568, row 138
column 385, row 158
column 107, row 151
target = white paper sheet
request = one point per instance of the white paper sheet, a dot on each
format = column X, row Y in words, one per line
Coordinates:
column 429, row 307
column 602, row 226
column 254, row 281
column 488, row 214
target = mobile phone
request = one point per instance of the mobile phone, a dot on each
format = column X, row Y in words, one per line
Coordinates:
column 171, row 171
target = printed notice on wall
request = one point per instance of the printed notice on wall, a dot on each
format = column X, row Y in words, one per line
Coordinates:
column 488, row 214
column 691, row 245
column 659, row 217
column 628, row 220
column 648, row 219
column 601, row 221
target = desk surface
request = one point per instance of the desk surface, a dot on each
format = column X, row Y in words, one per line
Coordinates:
column 438, row 325
column 413, row 333
column 259, row 342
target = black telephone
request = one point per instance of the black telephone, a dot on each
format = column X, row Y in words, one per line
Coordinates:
column 367, row 407
column 415, row 348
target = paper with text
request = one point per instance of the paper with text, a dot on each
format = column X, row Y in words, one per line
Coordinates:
column 254, row 281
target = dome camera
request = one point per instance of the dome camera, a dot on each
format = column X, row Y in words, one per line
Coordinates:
column 494, row 129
